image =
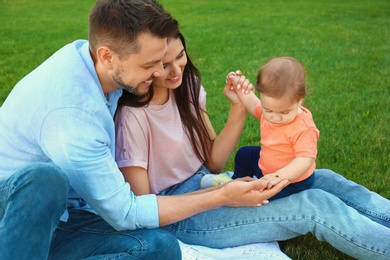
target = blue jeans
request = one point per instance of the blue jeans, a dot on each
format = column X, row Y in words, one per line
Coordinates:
column 31, row 203
column 351, row 218
column 88, row 236
column 246, row 164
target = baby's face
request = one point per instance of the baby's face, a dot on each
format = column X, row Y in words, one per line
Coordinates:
column 279, row 111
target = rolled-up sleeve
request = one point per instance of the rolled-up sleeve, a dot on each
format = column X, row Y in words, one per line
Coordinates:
column 147, row 211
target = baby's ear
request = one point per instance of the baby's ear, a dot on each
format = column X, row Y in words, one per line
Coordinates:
column 300, row 102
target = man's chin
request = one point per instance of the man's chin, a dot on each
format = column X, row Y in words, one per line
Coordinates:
column 133, row 91
column 137, row 93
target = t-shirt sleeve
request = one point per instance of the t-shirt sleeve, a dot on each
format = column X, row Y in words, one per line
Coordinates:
column 306, row 143
column 202, row 97
column 258, row 112
column 131, row 139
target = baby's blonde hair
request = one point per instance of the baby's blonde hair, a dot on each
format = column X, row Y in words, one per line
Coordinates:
column 282, row 77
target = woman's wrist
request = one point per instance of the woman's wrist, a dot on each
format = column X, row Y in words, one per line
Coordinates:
column 239, row 107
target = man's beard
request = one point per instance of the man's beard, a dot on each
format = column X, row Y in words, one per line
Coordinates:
column 117, row 78
column 128, row 88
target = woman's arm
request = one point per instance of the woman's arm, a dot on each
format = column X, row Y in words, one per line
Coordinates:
column 225, row 143
column 138, row 179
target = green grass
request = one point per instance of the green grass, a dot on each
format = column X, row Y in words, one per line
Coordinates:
column 344, row 45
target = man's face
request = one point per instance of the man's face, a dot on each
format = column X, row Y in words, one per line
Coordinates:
column 136, row 73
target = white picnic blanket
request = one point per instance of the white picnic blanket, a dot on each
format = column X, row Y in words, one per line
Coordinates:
column 260, row 251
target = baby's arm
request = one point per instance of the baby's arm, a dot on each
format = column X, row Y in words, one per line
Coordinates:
column 244, row 90
column 291, row 171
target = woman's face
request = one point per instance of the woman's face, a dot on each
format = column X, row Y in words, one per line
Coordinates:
column 174, row 62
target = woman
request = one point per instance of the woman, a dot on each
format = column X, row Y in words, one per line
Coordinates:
column 157, row 158
column 168, row 111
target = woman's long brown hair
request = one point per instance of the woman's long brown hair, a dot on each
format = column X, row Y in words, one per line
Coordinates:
column 187, row 100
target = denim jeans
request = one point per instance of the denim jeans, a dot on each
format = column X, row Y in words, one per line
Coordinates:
column 246, row 164
column 88, row 236
column 31, row 203
column 351, row 218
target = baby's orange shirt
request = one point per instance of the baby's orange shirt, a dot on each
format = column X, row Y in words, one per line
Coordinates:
column 281, row 144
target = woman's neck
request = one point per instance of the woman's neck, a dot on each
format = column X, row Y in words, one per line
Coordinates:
column 160, row 96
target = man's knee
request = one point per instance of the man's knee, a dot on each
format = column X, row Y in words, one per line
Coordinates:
column 164, row 245
column 48, row 173
column 43, row 181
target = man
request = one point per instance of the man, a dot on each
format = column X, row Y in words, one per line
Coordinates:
column 61, row 193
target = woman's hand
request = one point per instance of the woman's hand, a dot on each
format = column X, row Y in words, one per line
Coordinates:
column 244, row 193
column 235, row 81
column 230, row 89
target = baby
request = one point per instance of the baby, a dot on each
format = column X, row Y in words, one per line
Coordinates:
column 288, row 133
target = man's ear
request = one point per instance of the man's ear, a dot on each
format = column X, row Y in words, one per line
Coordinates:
column 300, row 102
column 105, row 56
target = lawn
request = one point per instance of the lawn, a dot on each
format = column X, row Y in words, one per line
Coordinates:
column 344, row 45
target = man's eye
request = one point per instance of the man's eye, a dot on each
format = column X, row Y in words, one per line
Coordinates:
column 165, row 65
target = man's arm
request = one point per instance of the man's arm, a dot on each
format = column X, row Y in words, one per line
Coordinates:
column 233, row 194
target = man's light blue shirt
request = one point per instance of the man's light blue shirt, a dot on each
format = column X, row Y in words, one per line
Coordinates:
column 59, row 114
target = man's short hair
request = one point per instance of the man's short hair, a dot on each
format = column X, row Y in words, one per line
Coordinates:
column 118, row 24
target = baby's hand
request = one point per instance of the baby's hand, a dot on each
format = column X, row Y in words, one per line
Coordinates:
column 230, row 79
column 237, row 81
column 272, row 179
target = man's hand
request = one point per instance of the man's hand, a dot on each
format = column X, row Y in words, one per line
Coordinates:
column 244, row 192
